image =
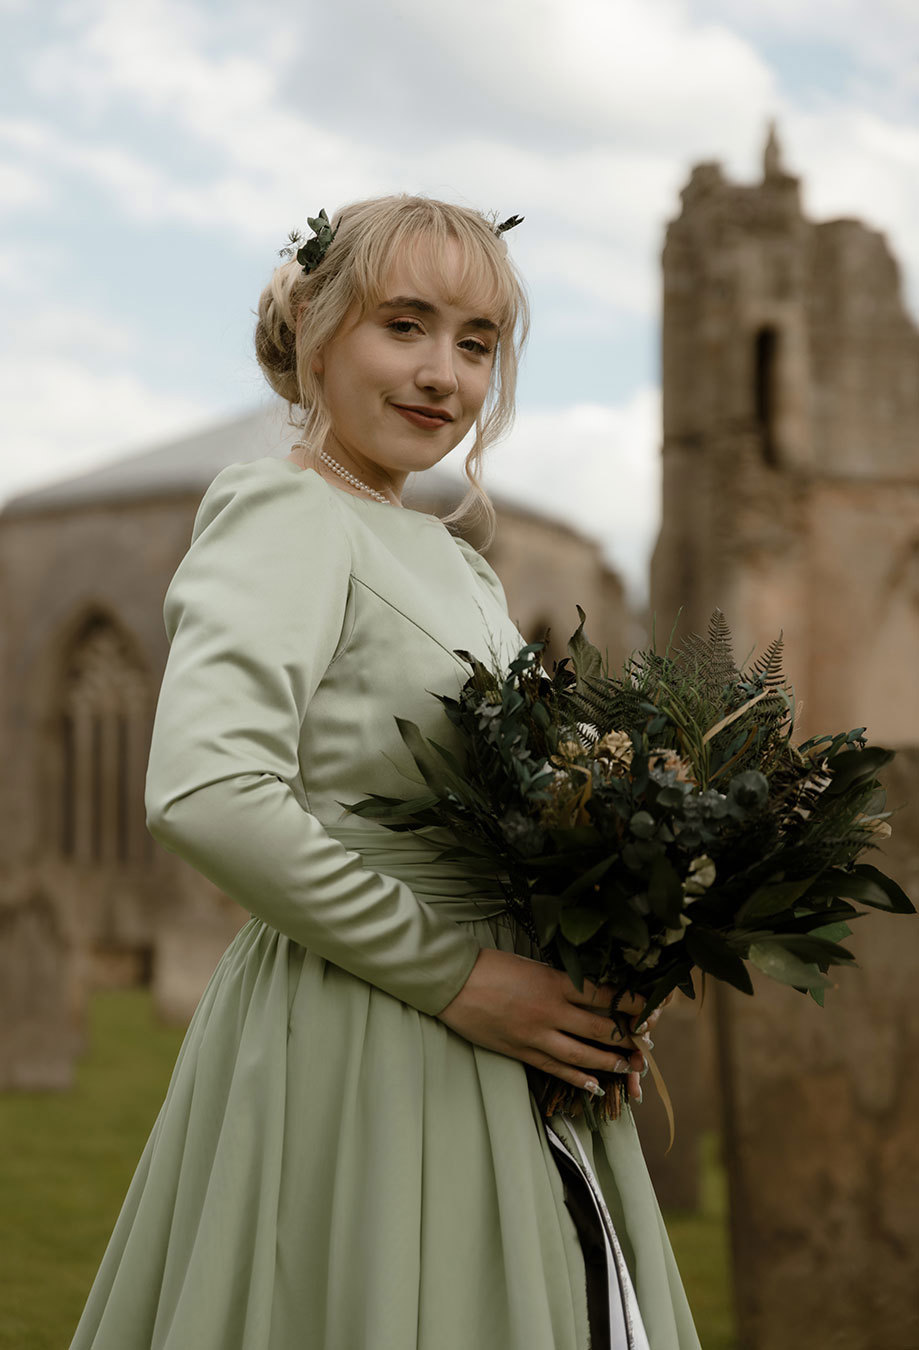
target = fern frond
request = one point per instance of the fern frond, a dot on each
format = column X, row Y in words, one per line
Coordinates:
column 721, row 647
column 767, row 669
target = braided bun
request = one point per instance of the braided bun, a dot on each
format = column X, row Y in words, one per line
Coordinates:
column 279, row 307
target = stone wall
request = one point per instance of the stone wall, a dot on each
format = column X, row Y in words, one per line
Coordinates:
column 822, row 1141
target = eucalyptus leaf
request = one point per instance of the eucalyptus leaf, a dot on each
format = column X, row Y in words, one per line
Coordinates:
column 782, row 965
column 851, row 766
column 748, row 791
column 580, row 924
column 867, row 886
column 642, row 824
column 773, row 899
column 712, row 953
column 834, row 932
column 812, row 947
column 546, row 910
column 628, row 927
column 585, row 657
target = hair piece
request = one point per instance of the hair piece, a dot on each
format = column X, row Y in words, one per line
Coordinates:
column 298, row 314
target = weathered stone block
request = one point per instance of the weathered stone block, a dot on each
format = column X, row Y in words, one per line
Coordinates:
column 823, row 1145
column 41, row 999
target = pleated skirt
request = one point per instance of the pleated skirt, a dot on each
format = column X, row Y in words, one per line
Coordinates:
column 333, row 1170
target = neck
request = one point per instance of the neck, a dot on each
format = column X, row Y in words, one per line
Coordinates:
column 339, row 468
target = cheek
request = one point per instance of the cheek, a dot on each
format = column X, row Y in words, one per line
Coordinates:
column 477, row 389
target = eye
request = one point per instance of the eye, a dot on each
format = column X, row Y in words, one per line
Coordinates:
column 476, row 346
column 404, row 327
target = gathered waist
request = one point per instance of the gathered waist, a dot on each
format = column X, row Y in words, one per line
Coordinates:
column 461, row 889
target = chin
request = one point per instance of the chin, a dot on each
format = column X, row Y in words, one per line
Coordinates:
column 419, row 458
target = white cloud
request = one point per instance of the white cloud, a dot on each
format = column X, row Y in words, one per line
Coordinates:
column 855, row 163
column 63, row 330
column 643, row 71
column 630, row 90
column 19, row 187
column 881, row 34
column 592, row 126
column 152, row 57
column 60, row 417
column 596, row 466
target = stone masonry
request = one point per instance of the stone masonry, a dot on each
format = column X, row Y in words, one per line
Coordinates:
column 791, row 502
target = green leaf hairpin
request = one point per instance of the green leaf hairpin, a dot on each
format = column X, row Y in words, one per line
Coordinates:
column 508, row 224
column 310, row 252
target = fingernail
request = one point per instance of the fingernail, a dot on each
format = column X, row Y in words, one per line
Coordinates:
column 637, row 1097
column 641, row 1029
column 594, row 1088
column 643, row 1071
column 622, row 1066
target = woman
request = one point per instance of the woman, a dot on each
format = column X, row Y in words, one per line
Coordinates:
column 348, row 1157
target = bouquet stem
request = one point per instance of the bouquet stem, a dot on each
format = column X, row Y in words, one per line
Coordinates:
column 555, row 1097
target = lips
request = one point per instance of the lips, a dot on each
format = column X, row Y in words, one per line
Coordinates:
column 429, row 419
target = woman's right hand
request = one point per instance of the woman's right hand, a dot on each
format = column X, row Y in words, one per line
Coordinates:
column 532, row 1012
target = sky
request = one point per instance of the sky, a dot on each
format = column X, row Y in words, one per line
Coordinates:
column 154, row 156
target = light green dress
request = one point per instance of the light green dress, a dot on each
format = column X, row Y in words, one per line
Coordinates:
column 333, row 1168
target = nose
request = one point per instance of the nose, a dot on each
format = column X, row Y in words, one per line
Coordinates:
column 437, row 368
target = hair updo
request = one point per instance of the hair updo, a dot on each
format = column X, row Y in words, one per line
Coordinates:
column 298, row 314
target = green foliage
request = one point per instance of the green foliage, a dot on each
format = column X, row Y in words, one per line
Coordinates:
column 659, row 819
column 310, row 252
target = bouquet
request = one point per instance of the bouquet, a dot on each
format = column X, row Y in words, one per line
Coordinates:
column 656, row 821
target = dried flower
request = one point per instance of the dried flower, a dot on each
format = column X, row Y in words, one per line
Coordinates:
column 616, row 750
column 568, row 751
column 877, row 825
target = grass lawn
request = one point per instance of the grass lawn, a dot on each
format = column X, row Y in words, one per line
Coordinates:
column 701, row 1245
column 66, row 1160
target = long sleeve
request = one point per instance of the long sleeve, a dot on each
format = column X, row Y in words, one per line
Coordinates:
column 256, row 613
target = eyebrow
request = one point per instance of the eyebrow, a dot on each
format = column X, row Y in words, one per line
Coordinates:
column 425, row 307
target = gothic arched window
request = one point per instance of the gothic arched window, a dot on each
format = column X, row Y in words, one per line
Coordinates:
column 765, row 391
column 104, row 734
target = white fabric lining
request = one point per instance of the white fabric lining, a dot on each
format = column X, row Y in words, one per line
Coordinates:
column 627, row 1330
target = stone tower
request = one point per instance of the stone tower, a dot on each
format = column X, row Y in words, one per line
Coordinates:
column 791, row 501
column 791, row 445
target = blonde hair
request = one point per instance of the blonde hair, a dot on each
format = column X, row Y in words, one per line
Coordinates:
column 298, row 314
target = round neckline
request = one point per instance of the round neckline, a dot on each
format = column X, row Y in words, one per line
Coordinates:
column 353, row 496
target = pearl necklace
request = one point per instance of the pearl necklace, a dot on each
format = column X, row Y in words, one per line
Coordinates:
column 342, row 472
column 350, row 478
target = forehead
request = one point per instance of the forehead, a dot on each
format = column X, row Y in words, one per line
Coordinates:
column 446, row 273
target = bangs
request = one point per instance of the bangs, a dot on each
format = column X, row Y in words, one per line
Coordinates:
column 430, row 244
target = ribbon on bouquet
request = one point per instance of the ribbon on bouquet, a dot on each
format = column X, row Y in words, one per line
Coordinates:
column 664, row 1095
